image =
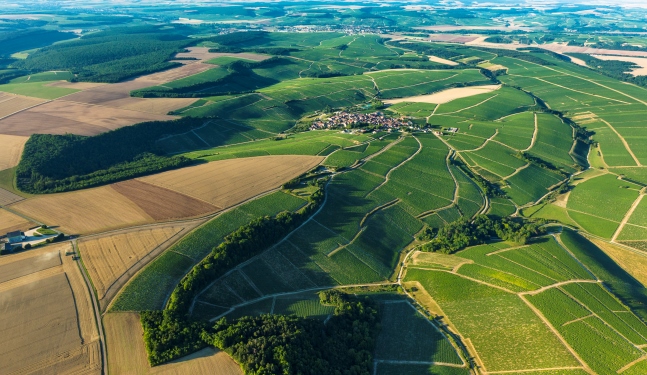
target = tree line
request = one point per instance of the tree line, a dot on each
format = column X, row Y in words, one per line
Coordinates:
column 56, row 163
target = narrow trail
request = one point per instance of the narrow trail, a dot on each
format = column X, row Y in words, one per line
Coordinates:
column 630, row 364
column 516, row 171
column 627, row 216
column 456, row 190
column 557, row 285
column 534, row 136
column 623, row 140
column 386, row 179
column 487, row 140
column 97, row 312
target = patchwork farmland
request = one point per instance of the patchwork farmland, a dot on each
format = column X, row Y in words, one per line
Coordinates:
column 504, row 212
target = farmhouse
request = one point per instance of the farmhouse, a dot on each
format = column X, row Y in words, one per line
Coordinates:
column 16, row 236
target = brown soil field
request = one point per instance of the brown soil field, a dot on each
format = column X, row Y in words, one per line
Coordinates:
column 7, row 197
column 635, row 264
column 202, row 53
column 188, row 69
column 108, row 258
column 161, row 203
column 442, row 61
column 105, row 93
column 84, row 211
column 127, row 355
column 159, row 106
column 10, row 104
column 61, row 116
column 47, row 325
column 228, row 182
column 10, row 222
column 75, row 85
column 11, row 150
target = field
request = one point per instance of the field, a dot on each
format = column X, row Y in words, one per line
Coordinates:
column 445, row 95
column 127, row 355
column 44, row 299
column 229, row 182
column 604, row 197
column 116, row 257
column 150, row 288
column 10, row 222
column 183, row 193
column 61, row 116
column 10, row 104
column 11, row 151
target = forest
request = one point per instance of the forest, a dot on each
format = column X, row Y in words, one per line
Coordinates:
column 464, row 232
column 57, row 163
column 110, row 56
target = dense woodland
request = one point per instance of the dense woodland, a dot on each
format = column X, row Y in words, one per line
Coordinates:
column 110, row 56
column 56, row 163
column 276, row 344
column 465, row 232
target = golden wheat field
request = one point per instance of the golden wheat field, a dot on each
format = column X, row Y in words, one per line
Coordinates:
column 127, row 355
column 47, row 325
column 10, row 222
column 84, row 211
column 228, row 182
column 11, row 150
column 108, row 258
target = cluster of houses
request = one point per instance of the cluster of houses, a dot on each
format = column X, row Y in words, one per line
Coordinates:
column 347, row 29
column 375, row 120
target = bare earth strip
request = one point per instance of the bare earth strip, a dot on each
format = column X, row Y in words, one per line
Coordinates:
column 446, row 96
column 442, row 61
column 228, row 182
column 127, row 355
column 75, row 85
column 47, row 324
column 190, row 68
column 107, row 258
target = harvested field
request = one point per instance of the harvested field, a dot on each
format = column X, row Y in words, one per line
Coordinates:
column 228, row 182
column 105, row 93
column 202, row 53
column 47, row 325
column 10, row 104
column 108, row 258
column 160, row 106
column 10, row 222
column 84, row 211
column 190, row 68
column 127, row 355
column 161, row 203
column 75, row 85
column 446, row 95
column 442, row 61
column 25, row 263
column 11, row 150
column 62, row 116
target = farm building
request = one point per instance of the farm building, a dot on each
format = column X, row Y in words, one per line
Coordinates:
column 6, row 248
column 16, row 236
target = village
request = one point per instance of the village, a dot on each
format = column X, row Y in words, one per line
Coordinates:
column 376, row 120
